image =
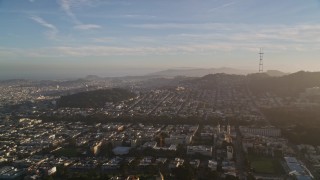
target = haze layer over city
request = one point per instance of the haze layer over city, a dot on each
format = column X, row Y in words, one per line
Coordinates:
column 160, row 89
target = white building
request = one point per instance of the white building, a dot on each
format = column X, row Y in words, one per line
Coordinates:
column 204, row 150
column 267, row 131
column 212, row 165
column 229, row 152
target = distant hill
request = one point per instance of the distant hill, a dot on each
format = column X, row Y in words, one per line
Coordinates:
column 267, row 74
column 260, row 83
column 257, row 76
column 214, row 81
column 92, row 77
column 94, row 99
column 288, row 85
column 199, row 72
column 16, row 81
column 276, row 73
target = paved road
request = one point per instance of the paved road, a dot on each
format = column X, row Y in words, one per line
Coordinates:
column 240, row 163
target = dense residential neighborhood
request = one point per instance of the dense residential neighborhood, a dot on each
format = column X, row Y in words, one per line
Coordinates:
column 210, row 127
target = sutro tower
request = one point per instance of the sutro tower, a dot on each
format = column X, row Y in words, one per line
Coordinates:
column 261, row 61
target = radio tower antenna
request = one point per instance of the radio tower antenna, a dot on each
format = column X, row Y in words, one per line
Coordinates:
column 261, row 61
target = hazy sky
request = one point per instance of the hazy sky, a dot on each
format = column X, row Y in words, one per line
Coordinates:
column 43, row 38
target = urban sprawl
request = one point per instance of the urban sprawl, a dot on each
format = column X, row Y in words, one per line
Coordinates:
column 224, row 135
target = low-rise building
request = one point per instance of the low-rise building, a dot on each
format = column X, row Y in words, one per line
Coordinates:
column 9, row 172
column 203, row 150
